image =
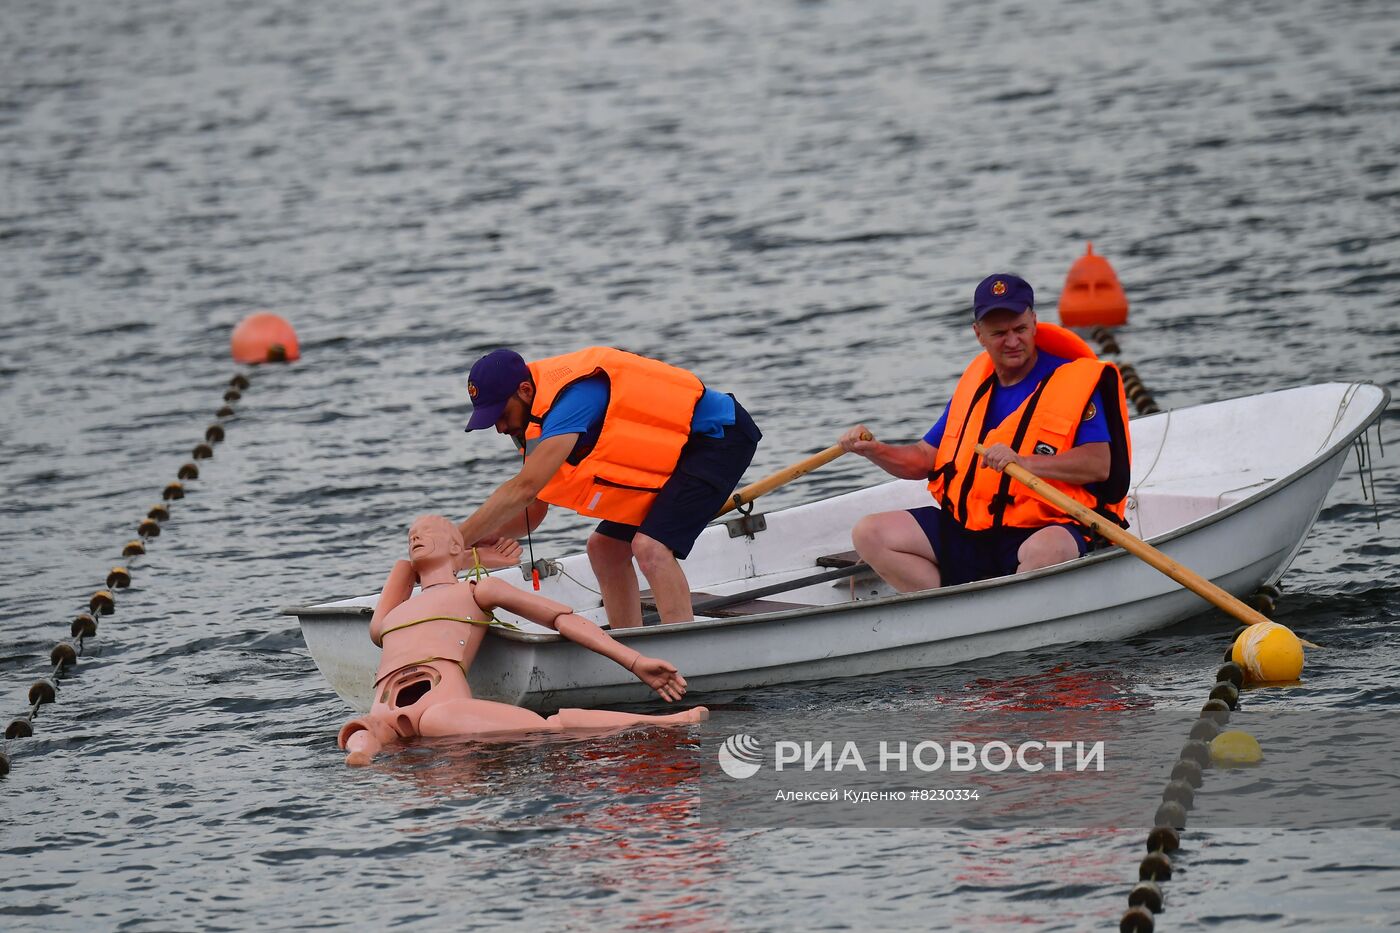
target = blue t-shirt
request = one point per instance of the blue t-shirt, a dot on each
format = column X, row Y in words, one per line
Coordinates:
column 1006, row 399
column 579, row 409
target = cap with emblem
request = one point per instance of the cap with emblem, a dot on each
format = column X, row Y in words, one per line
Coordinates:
column 1002, row 291
column 491, row 383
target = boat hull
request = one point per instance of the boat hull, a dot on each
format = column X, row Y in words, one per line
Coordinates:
column 1103, row 597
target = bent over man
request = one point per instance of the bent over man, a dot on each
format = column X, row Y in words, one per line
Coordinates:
column 640, row 444
column 1038, row 397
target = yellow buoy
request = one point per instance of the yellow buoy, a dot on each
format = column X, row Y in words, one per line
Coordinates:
column 1235, row 748
column 1268, row 652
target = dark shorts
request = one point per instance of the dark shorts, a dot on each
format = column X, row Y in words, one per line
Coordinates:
column 706, row 476
column 965, row 556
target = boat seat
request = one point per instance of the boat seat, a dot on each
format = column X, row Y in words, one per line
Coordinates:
column 847, row 559
column 751, row 607
column 844, row 559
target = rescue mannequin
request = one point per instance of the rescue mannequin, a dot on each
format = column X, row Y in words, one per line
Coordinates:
column 430, row 639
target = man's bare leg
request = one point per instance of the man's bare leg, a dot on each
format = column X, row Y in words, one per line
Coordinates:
column 669, row 587
column 611, row 561
column 1048, row 546
column 896, row 548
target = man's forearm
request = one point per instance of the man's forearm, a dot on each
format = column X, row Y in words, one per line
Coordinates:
column 1078, row 465
column 906, row 461
column 509, row 501
column 517, row 526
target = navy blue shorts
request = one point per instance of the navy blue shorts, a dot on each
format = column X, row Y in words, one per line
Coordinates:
column 706, row 476
column 965, row 556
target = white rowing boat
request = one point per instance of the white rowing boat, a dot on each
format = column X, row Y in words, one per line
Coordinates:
column 1228, row 489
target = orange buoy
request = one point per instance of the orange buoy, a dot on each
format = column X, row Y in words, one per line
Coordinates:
column 1092, row 295
column 264, row 337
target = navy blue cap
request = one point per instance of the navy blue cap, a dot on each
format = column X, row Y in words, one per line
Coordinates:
column 1002, row 290
column 491, row 383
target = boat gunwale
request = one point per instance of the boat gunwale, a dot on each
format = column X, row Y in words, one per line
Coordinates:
column 1324, row 454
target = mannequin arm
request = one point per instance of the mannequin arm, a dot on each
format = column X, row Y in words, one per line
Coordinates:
column 396, row 589
column 660, row 675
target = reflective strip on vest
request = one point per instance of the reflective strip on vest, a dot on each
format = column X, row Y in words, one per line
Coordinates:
column 647, row 422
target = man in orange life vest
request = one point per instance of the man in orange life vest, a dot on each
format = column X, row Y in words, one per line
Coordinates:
column 1037, row 397
column 640, row 444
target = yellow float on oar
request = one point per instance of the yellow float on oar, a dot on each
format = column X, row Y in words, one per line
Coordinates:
column 1268, row 652
column 1234, row 748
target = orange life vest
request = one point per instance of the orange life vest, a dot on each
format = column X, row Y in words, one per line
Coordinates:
column 979, row 497
column 647, row 422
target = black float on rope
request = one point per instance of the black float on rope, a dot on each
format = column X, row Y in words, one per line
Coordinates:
column 1170, row 814
column 1155, row 866
column 1179, row 792
column 102, row 603
column 1232, row 672
column 1261, row 602
column 42, row 691
column 1217, row 710
column 1205, row 730
column 1146, row 894
column 1163, row 839
column 1197, row 751
column 19, row 728
column 1227, row 693
column 64, row 654
column 1187, row 771
column 1137, row 920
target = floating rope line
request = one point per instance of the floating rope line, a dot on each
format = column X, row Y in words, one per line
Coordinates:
column 1132, row 383
column 1187, row 775
column 65, row 653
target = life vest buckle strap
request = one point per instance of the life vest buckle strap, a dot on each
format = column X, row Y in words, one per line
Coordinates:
column 1000, row 502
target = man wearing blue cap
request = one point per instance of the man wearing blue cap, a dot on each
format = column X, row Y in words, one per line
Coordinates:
column 1037, row 397
column 640, row 444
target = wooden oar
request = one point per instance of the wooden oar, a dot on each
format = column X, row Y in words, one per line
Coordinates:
column 784, row 476
column 1133, row 545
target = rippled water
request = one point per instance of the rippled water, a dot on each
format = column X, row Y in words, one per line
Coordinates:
column 793, row 199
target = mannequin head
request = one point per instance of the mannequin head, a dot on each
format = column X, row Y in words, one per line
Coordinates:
column 432, row 541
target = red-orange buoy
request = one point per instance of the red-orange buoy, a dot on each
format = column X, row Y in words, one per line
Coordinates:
column 1093, row 295
column 264, row 337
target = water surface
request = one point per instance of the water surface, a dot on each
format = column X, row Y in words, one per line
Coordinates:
column 792, row 199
